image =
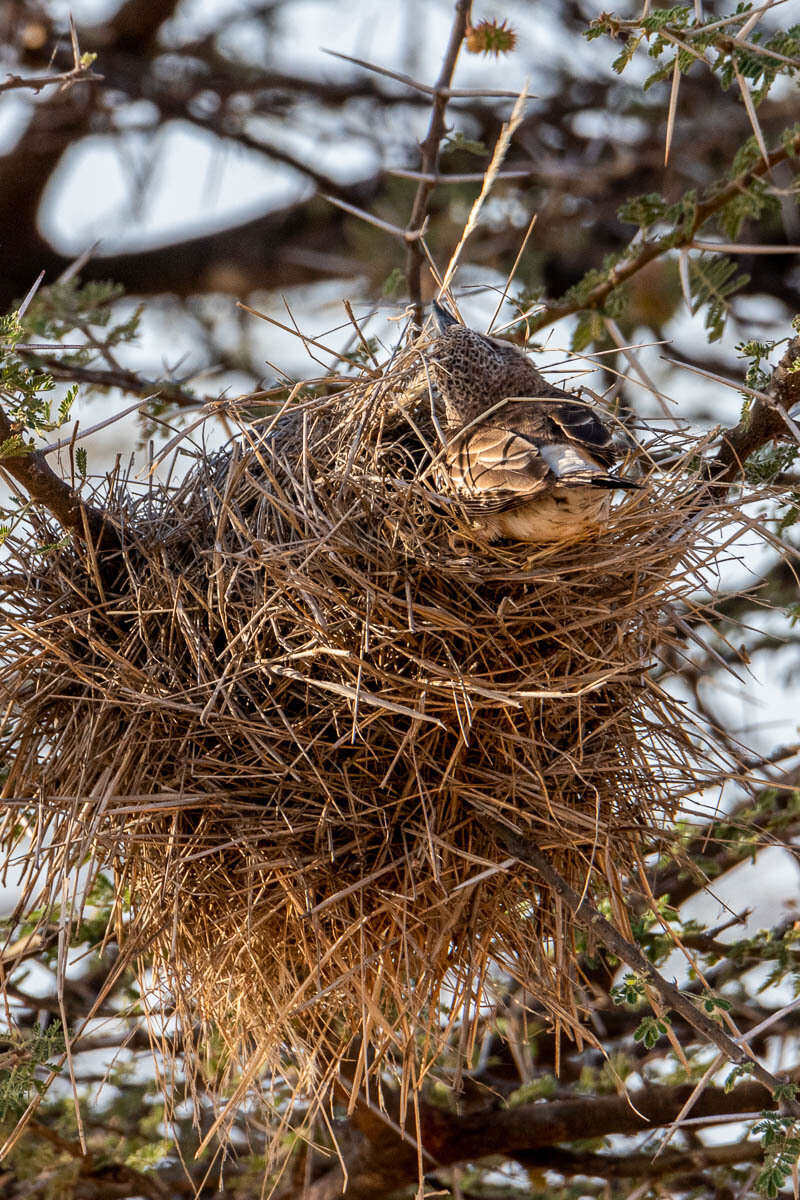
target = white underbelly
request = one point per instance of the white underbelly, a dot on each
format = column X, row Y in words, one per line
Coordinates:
column 559, row 514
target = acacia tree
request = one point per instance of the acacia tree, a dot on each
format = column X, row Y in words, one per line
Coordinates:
column 620, row 245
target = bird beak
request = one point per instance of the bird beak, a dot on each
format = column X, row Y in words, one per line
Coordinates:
column 442, row 316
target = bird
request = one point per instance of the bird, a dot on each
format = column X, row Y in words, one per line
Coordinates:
column 525, row 460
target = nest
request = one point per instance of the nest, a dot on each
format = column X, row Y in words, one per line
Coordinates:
column 304, row 708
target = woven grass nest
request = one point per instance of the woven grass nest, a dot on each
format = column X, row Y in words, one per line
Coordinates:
column 299, row 712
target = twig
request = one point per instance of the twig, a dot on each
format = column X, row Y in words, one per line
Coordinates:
column 648, row 251
column 628, row 352
column 500, row 150
column 80, row 72
column 126, row 381
column 429, row 148
column 513, row 270
column 31, row 470
column 741, row 248
column 630, row 1166
column 37, row 82
column 764, row 397
column 470, row 177
column 74, row 437
column 596, row 925
column 426, row 89
column 406, row 235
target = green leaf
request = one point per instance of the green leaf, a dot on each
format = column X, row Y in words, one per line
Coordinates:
column 14, row 446
column 630, row 991
column 739, row 1072
column 712, row 280
column 393, row 282
column 589, row 330
column 644, row 210
column 649, row 1031
column 458, row 141
column 626, row 54
column 67, row 403
column 542, row 1088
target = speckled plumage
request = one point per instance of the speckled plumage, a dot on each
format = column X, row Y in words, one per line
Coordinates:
column 538, row 466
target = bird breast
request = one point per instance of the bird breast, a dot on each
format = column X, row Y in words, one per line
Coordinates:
column 561, row 514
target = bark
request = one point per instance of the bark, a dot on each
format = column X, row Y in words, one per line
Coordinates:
column 32, row 471
column 380, row 1162
column 766, row 419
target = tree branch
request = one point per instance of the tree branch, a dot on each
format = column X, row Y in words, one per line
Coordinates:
column 429, row 164
column 32, row 471
column 766, row 419
column 707, row 207
column 135, row 24
column 126, row 381
column 719, row 855
column 634, row 1166
column 36, row 83
column 596, row 925
column 385, row 1161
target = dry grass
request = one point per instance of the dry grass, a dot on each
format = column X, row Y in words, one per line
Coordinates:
column 298, row 712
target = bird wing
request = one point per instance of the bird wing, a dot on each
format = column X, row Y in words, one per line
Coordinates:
column 581, row 424
column 549, row 419
column 494, row 469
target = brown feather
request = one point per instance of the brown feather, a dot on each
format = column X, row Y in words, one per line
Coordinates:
column 536, row 466
column 492, row 469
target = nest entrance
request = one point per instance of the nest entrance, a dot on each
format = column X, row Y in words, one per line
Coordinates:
column 298, row 716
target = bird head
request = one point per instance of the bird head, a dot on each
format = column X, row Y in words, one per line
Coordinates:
column 474, row 371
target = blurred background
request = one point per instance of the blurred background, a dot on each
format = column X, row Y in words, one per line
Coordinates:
column 198, row 170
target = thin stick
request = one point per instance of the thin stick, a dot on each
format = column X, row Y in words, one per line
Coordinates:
column 598, row 927
column 405, row 235
column 500, row 150
column 69, row 441
column 513, row 271
column 426, row 89
column 470, row 177
column 430, row 149
column 734, row 248
column 629, row 354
